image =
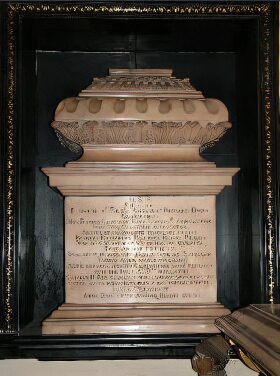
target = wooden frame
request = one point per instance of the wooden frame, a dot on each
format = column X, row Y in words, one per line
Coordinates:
column 12, row 15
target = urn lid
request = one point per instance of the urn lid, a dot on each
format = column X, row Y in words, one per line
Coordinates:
column 141, row 94
column 143, row 83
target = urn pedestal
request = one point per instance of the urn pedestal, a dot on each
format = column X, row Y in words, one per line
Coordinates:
column 136, row 259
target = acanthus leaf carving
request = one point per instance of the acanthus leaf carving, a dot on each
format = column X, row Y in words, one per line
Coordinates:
column 77, row 133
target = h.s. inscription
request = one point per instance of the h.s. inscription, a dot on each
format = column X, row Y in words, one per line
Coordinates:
column 147, row 249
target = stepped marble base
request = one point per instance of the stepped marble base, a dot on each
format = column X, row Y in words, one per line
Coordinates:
column 75, row 319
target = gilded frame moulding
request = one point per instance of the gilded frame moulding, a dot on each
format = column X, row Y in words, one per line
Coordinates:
column 17, row 11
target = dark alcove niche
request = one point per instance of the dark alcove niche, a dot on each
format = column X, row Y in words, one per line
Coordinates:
column 59, row 58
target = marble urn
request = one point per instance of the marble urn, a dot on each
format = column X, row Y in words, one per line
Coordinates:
column 140, row 115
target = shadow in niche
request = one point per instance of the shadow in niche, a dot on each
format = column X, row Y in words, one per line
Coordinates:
column 58, row 60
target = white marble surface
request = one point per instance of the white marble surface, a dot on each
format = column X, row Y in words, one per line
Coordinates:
column 140, row 249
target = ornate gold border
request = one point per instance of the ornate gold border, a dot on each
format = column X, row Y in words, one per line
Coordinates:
column 269, row 190
column 191, row 9
column 9, row 233
column 18, row 10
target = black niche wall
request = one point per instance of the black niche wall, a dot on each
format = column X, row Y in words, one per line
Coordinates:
column 59, row 58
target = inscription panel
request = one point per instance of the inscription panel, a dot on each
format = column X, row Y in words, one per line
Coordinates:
column 147, row 249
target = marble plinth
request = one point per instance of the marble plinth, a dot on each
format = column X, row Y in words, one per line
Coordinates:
column 140, row 247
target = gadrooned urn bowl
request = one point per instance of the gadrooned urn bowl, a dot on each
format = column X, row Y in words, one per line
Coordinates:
column 140, row 115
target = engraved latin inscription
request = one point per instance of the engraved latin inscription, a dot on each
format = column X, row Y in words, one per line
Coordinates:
column 146, row 249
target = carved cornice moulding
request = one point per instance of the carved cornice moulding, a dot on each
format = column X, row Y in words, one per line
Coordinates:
column 102, row 179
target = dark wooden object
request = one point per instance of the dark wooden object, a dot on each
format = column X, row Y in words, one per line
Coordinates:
column 254, row 332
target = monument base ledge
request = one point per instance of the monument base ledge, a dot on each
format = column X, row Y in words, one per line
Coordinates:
column 121, row 179
column 75, row 319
